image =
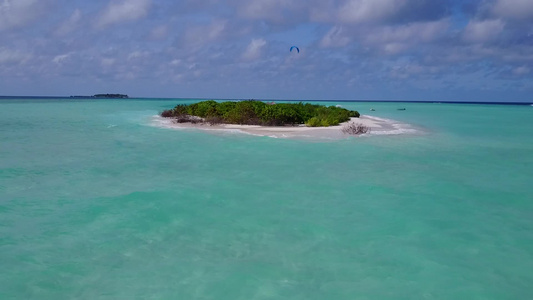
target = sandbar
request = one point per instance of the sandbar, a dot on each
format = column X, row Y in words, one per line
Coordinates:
column 378, row 126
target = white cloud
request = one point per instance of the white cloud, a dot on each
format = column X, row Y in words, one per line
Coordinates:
column 137, row 55
column 58, row 59
column 253, row 51
column 395, row 39
column 8, row 56
column 523, row 70
column 70, row 24
column 272, row 10
column 377, row 11
column 107, row 62
column 200, row 35
column 15, row 13
column 419, row 32
column 335, row 38
column 394, row 48
column 523, row 53
column 520, row 9
column 123, row 11
column 357, row 11
column 159, row 33
column 483, row 31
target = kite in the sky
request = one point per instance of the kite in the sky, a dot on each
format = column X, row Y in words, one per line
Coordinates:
column 294, row 47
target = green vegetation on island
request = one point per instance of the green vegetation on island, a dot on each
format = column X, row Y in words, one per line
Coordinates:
column 253, row 112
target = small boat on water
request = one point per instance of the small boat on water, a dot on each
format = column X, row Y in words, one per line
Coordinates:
column 401, row 108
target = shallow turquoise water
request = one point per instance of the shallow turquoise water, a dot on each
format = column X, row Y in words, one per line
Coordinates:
column 96, row 202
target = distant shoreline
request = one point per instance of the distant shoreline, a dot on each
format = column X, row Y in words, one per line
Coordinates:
column 104, row 96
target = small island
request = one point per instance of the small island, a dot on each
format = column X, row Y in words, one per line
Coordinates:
column 106, row 96
column 111, row 96
column 266, row 114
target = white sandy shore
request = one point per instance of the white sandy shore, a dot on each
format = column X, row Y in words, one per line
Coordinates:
column 377, row 126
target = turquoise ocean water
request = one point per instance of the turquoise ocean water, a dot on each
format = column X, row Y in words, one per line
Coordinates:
column 98, row 203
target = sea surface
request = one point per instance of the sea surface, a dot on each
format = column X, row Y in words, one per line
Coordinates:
column 98, row 202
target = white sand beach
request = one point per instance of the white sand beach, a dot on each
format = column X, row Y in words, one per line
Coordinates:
column 378, row 126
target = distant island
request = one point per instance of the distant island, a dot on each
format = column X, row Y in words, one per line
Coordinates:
column 120, row 96
column 253, row 112
column 107, row 96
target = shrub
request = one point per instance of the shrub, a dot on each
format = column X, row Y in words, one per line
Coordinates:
column 225, row 107
column 180, row 109
column 313, row 122
column 354, row 114
column 182, row 119
column 241, row 113
column 281, row 114
column 188, row 119
column 166, row 113
column 214, row 120
column 205, row 108
column 355, row 128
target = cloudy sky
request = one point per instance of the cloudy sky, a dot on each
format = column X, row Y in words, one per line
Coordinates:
column 477, row 50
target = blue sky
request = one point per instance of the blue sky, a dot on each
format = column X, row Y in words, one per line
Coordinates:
column 472, row 50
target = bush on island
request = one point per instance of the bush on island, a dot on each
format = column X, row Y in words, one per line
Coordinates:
column 355, row 128
column 313, row 122
column 252, row 112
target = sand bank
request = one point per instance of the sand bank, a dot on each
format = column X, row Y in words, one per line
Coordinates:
column 378, row 126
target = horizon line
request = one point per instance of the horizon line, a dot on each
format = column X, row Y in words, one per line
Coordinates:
column 272, row 99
